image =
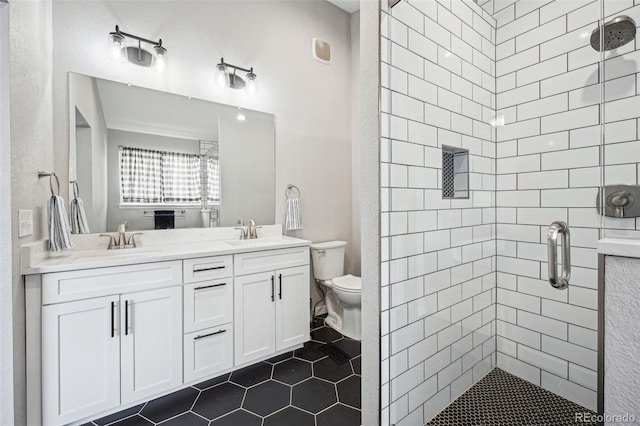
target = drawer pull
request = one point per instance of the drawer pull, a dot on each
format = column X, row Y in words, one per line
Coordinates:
column 273, row 288
column 126, row 317
column 113, row 324
column 202, row 287
column 210, row 334
column 213, row 268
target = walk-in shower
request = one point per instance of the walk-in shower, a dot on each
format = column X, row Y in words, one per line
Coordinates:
column 548, row 109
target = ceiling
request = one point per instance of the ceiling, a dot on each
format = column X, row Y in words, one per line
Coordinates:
column 141, row 110
column 347, row 5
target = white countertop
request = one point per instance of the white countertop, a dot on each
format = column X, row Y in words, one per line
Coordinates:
column 155, row 246
column 625, row 247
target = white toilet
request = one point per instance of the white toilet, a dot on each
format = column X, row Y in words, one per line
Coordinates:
column 342, row 292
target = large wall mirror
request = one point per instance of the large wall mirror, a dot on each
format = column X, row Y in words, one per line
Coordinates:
column 157, row 160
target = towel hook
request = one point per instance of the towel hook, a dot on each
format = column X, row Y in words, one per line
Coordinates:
column 51, row 175
column 291, row 187
column 76, row 189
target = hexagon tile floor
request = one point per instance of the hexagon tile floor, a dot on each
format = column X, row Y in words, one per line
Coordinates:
column 503, row 399
column 300, row 388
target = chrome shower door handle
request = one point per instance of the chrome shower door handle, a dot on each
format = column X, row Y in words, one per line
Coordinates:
column 555, row 229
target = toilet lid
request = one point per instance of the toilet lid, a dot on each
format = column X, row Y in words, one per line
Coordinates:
column 347, row 283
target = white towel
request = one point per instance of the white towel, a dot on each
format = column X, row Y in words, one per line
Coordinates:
column 79, row 224
column 294, row 215
column 59, row 238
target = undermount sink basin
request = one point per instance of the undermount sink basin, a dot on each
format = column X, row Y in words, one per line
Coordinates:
column 258, row 242
column 112, row 254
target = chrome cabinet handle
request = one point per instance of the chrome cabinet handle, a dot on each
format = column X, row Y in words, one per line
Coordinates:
column 556, row 228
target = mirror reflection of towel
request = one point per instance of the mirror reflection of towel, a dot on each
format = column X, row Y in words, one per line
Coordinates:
column 79, row 224
column 59, row 238
column 164, row 219
column 294, row 214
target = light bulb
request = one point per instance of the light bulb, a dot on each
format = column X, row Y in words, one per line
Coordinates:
column 116, row 44
column 251, row 88
column 240, row 116
column 161, row 57
column 221, row 75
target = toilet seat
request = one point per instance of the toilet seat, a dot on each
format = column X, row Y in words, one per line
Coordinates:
column 347, row 284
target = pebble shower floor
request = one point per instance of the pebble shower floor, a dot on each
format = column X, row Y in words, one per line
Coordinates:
column 503, row 399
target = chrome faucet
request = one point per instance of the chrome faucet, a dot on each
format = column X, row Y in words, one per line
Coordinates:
column 122, row 242
column 244, row 232
column 253, row 229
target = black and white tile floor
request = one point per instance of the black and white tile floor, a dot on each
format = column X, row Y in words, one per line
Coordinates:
column 300, row 388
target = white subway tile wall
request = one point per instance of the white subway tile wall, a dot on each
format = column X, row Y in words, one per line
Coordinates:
column 439, row 268
column 548, row 169
column 465, row 281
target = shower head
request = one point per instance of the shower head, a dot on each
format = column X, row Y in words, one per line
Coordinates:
column 615, row 33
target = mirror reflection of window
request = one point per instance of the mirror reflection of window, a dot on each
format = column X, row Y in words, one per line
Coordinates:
column 159, row 177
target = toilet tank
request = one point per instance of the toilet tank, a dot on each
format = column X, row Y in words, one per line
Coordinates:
column 328, row 259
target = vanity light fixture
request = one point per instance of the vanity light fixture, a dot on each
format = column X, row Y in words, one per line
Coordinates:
column 137, row 54
column 226, row 76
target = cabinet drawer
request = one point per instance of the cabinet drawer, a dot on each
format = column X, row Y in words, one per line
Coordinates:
column 208, row 352
column 207, row 304
column 269, row 260
column 207, row 268
column 75, row 285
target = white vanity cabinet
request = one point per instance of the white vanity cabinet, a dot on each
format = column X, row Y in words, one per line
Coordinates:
column 81, row 359
column 151, row 350
column 271, row 300
column 102, row 352
column 104, row 338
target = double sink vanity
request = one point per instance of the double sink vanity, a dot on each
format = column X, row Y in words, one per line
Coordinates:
column 107, row 329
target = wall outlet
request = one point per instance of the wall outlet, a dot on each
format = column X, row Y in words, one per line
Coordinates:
column 25, row 223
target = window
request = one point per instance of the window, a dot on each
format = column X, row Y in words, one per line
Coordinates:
column 213, row 180
column 157, row 177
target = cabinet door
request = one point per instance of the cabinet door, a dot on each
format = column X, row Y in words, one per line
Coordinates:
column 81, row 359
column 208, row 304
column 254, row 316
column 292, row 306
column 151, row 342
column 207, row 352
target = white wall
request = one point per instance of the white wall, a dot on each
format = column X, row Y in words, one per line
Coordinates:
column 84, row 96
column 369, row 203
column 32, row 148
column 438, row 255
column 246, row 169
column 355, row 141
column 311, row 100
column 622, row 337
column 6, row 291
